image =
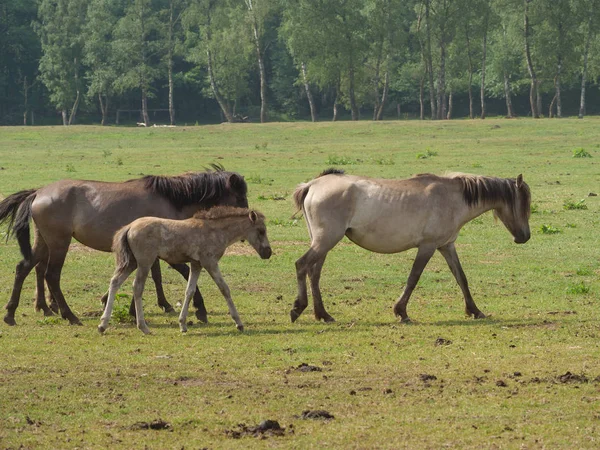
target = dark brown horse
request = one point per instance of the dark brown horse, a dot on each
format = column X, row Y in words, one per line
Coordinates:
column 391, row 216
column 92, row 212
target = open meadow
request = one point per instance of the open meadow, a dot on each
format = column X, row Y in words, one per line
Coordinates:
column 528, row 376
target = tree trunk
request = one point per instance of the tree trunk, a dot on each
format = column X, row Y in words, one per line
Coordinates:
column 376, row 79
column 551, row 107
column 337, row 99
column 441, row 93
column 311, row 101
column 103, row 108
column 430, row 63
column 449, row 114
column 557, row 90
column 470, row 68
column 25, row 99
column 170, row 62
column 145, row 117
column 509, row 107
column 64, row 117
column 384, row 95
column 215, row 89
column 422, row 99
column 351, row 94
column 483, row 63
column 261, row 63
column 586, row 52
column 533, row 94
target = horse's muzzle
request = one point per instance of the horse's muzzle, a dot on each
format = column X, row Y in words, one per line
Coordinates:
column 522, row 238
column 265, row 252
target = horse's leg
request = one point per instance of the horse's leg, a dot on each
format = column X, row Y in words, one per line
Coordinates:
column 116, row 281
column 23, row 269
column 189, row 292
column 58, row 252
column 41, row 250
column 314, row 273
column 215, row 273
column 424, row 254
column 201, row 313
column 449, row 253
column 138, row 289
column 160, row 293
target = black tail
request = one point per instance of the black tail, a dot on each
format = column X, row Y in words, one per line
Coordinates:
column 15, row 210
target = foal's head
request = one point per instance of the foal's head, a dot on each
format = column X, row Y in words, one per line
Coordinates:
column 257, row 235
column 514, row 213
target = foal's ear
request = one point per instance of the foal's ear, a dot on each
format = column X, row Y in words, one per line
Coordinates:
column 253, row 217
column 520, row 180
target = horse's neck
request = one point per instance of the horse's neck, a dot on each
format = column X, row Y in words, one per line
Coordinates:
column 476, row 210
column 232, row 231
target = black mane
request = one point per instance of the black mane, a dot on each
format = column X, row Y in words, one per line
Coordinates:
column 331, row 171
column 206, row 188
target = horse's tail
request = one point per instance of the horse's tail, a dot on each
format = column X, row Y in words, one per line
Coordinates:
column 302, row 190
column 15, row 211
column 120, row 247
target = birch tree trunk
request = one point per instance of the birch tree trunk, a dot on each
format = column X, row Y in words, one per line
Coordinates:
column 261, row 63
column 25, row 99
column 507, row 95
column 441, row 88
column 422, row 99
column 213, row 84
column 311, row 102
column 430, row 62
column 450, row 104
column 336, row 101
column 533, row 91
column 586, row 52
column 171, row 44
column 483, row 62
column 557, row 89
column 470, row 68
column 384, row 95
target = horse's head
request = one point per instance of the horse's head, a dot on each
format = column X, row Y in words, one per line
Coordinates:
column 257, row 235
column 236, row 191
column 515, row 214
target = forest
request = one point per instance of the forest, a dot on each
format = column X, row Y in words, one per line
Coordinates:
column 210, row 61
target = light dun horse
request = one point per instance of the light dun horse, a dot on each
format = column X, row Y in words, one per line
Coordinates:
column 391, row 216
column 92, row 211
column 200, row 240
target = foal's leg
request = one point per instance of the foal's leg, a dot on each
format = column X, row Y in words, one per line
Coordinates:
column 23, row 269
column 117, row 280
column 215, row 273
column 58, row 252
column 201, row 313
column 138, row 289
column 189, row 292
column 160, row 293
column 424, row 254
column 449, row 252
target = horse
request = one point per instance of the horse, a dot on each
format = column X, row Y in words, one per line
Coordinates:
column 200, row 241
column 390, row 216
column 92, row 212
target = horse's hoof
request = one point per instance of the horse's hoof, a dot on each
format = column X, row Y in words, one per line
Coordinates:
column 183, row 330
column 201, row 316
column 294, row 315
column 406, row 320
column 75, row 322
column 101, row 329
column 48, row 312
column 54, row 307
column 169, row 309
column 326, row 319
column 146, row 331
column 10, row 321
column 479, row 315
column 240, row 327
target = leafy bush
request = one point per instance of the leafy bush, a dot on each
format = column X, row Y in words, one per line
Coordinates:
column 570, row 204
column 334, row 160
column 578, row 288
column 428, row 154
column 581, row 153
column 549, row 229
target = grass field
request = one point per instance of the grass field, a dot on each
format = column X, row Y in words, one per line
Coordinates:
column 528, row 376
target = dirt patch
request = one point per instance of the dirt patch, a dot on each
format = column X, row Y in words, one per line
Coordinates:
column 263, row 430
column 154, row 425
column 317, row 414
column 572, row 378
column 427, row 377
column 305, row 368
column 442, row 341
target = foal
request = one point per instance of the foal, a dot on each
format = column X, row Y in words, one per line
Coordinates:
column 200, row 240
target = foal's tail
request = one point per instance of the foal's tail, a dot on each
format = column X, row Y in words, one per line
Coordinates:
column 122, row 250
column 15, row 211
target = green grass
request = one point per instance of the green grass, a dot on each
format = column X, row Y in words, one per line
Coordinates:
column 525, row 377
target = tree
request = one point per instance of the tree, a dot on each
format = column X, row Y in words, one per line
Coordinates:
column 172, row 37
column 591, row 10
column 60, row 24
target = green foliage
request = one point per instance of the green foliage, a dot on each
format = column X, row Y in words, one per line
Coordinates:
column 581, row 153
column 427, row 154
column 578, row 288
column 70, row 168
column 334, row 160
column 574, row 205
column 257, row 179
column 120, row 313
column 276, row 197
column 549, row 229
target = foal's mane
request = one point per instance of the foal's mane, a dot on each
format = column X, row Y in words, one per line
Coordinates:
column 195, row 187
column 479, row 189
column 225, row 212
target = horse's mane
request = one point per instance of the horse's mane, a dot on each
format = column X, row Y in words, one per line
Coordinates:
column 479, row 189
column 196, row 187
column 225, row 212
column 331, row 171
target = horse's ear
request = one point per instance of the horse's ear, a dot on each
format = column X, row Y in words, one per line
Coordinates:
column 236, row 181
column 520, row 181
column 253, row 217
